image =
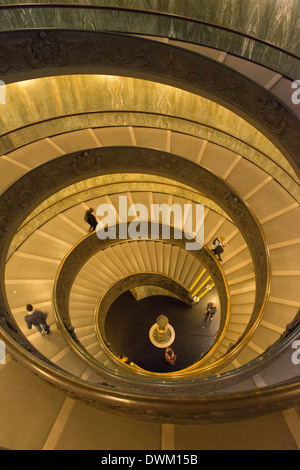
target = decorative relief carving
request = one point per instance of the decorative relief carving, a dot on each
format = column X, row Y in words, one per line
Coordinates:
column 85, row 161
column 45, row 50
column 5, row 65
column 62, row 49
column 4, row 225
column 273, row 115
column 26, row 51
column 231, row 87
column 109, row 52
column 236, row 205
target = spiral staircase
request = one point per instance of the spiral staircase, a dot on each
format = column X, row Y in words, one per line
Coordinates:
column 107, row 101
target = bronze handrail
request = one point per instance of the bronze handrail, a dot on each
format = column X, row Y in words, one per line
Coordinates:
column 19, row 200
column 90, row 245
column 171, row 16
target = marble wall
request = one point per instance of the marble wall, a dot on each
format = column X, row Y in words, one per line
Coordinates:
column 262, row 31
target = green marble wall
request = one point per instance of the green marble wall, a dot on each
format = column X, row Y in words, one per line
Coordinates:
column 245, row 28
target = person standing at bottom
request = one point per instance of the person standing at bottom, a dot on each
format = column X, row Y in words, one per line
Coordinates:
column 211, row 310
column 170, row 356
column 38, row 319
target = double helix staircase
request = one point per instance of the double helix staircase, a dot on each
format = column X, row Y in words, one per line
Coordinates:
column 50, row 235
column 31, row 271
column 250, row 370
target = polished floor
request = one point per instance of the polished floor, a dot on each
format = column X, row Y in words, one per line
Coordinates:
column 129, row 321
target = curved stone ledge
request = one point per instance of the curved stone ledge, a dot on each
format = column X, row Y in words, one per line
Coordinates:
column 122, row 285
column 90, row 189
column 179, row 24
column 112, row 54
column 20, row 138
column 129, row 283
column 31, row 189
column 89, row 246
column 155, row 407
column 22, row 197
column 26, row 194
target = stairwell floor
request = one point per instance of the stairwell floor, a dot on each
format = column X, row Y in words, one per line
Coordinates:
column 128, row 323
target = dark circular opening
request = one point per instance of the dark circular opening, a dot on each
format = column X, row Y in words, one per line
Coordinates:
column 129, row 321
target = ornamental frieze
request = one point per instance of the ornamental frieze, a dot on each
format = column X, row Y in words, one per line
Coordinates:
column 45, row 50
column 32, row 54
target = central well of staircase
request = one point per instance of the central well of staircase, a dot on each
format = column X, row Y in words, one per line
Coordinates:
column 128, row 323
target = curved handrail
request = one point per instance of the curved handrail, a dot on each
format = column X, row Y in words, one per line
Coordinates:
column 225, row 32
column 70, row 330
column 82, row 252
column 104, row 304
column 115, row 54
column 131, row 281
column 15, row 203
column 168, row 122
column 184, row 193
column 19, row 200
column 168, row 408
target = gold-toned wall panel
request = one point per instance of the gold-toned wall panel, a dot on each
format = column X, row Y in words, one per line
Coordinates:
column 42, row 99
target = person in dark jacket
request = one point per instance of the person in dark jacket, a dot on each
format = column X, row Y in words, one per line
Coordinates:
column 90, row 218
column 220, row 244
column 38, row 319
column 211, row 310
